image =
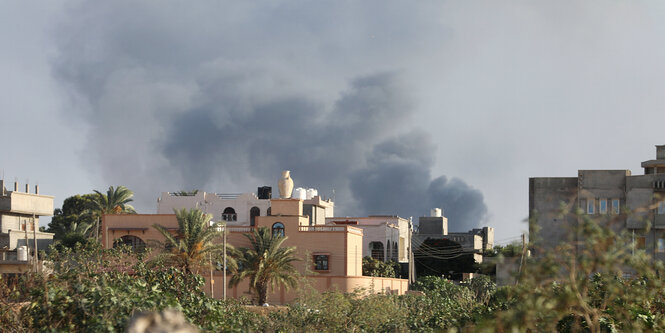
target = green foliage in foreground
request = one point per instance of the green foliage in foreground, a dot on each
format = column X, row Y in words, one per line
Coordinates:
column 597, row 286
column 378, row 268
column 98, row 291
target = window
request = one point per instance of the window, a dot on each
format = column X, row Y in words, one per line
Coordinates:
column 660, row 245
column 278, row 229
column 376, row 250
column 269, row 211
column 602, row 206
column 134, row 242
column 590, row 206
column 253, row 213
column 661, row 208
column 229, row 214
column 321, row 262
column 616, row 208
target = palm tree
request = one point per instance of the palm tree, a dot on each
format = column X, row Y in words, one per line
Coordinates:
column 115, row 201
column 266, row 263
column 189, row 248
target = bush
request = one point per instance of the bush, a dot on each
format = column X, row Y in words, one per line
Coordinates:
column 99, row 290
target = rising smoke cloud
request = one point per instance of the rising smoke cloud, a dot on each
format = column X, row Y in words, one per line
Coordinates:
column 223, row 98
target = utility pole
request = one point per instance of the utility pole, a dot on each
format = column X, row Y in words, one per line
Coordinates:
column 34, row 236
column 224, row 262
column 519, row 272
column 27, row 244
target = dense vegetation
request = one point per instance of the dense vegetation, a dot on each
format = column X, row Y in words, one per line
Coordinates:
column 602, row 284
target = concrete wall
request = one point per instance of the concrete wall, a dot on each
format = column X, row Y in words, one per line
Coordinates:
column 345, row 284
column 552, row 203
column 215, row 204
column 403, row 237
column 27, row 203
column 433, row 225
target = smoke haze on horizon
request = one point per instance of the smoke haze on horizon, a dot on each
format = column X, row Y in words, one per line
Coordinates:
column 398, row 107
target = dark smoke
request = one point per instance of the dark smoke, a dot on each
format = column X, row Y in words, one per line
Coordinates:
column 397, row 180
column 192, row 103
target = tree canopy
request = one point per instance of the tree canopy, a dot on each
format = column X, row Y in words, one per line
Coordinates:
column 189, row 248
column 115, row 201
column 266, row 263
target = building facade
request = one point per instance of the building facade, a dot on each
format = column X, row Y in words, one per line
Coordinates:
column 435, row 226
column 615, row 197
column 330, row 256
column 242, row 209
column 19, row 227
column 385, row 237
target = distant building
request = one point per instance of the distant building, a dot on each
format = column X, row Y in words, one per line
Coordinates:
column 19, row 227
column 607, row 195
column 435, row 226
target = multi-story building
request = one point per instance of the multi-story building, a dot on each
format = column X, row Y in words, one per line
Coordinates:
column 615, row 197
column 241, row 209
column 329, row 255
column 19, row 227
column 435, row 226
column 385, row 237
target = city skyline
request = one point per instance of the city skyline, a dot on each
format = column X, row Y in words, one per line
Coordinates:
column 425, row 100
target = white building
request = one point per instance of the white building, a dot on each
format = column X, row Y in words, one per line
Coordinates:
column 385, row 237
column 240, row 209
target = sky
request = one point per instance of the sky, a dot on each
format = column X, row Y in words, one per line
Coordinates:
column 390, row 107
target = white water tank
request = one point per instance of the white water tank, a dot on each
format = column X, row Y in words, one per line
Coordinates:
column 299, row 193
column 436, row 212
column 22, row 253
column 311, row 193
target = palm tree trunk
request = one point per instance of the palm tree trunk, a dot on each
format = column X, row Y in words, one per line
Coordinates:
column 262, row 291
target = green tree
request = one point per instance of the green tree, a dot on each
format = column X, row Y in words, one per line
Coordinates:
column 378, row 268
column 191, row 246
column 266, row 263
column 75, row 210
column 115, row 201
column 600, row 283
column 439, row 257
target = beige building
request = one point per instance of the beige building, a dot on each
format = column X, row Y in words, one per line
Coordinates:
column 19, row 227
column 241, row 209
column 606, row 195
column 330, row 256
column 385, row 237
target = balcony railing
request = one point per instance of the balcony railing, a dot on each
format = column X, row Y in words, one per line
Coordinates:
column 240, row 229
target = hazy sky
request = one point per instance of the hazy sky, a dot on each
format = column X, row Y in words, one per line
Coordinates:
column 399, row 106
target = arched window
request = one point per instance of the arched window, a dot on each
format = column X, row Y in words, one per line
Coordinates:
column 134, row 242
column 229, row 215
column 269, row 212
column 278, row 229
column 253, row 213
column 376, row 250
column 395, row 251
column 388, row 252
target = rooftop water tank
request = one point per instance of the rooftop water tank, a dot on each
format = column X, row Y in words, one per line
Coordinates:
column 436, row 212
column 311, row 193
column 22, row 253
column 299, row 193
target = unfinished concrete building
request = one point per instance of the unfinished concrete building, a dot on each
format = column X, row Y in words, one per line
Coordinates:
column 616, row 197
column 19, row 226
